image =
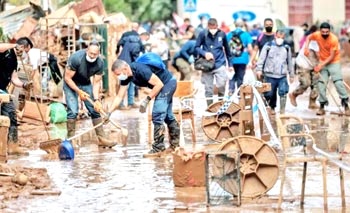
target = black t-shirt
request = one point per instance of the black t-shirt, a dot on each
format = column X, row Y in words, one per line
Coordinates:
column 142, row 74
column 84, row 69
column 8, row 64
column 263, row 39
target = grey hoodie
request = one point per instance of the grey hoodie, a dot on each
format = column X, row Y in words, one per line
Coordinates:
column 278, row 62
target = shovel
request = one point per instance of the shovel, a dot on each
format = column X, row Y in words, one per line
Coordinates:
column 49, row 142
column 124, row 131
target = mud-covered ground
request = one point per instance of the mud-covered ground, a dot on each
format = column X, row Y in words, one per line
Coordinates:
column 121, row 180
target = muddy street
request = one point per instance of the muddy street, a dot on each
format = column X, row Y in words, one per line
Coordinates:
column 121, row 180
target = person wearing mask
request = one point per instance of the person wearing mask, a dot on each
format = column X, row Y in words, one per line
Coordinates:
column 163, row 85
column 329, row 66
column 212, row 44
column 130, row 47
column 275, row 64
column 266, row 36
column 83, row 65
column 8, row 63
column 240, row 61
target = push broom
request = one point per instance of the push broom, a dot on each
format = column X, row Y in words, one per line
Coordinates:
column 50, row 144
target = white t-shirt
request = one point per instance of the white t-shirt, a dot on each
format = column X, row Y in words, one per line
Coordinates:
column 37, row 57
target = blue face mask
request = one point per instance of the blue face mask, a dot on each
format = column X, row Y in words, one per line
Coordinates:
column 122, row 77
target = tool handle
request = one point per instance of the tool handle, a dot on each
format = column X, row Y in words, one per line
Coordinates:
column 85, row 131
column 105, row 115
column 36, row 101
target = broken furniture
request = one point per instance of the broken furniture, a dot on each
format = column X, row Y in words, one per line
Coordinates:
column 297, row 148
column 4, row 129
column 183, row 95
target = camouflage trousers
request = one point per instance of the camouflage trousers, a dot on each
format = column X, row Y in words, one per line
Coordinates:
column 307, row 78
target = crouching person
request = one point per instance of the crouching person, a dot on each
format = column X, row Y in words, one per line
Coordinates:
column 149, row 71
column 275, row 63
column 8, row 74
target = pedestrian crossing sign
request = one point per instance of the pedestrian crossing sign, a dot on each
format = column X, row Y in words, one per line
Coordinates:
column 190, row 5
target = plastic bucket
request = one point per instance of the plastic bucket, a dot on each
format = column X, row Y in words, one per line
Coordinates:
column 66, row 150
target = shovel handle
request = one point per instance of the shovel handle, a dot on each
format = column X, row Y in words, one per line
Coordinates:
column 105, row 115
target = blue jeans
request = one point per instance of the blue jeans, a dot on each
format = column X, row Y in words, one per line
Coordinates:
column 73, row 104
column 163, row 104
column 238, row 77
column 276, row 83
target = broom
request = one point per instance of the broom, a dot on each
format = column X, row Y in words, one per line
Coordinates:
column 50, row 143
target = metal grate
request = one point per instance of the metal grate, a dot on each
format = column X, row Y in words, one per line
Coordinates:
column 223, row 182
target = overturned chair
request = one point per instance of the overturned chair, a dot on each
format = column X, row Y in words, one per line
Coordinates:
column 298, row 147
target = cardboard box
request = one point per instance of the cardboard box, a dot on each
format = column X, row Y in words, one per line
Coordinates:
column 189, row 169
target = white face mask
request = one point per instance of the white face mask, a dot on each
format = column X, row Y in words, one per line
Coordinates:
column 279, row 41
column 91, row 60
column 122, row 77
column 213, row 31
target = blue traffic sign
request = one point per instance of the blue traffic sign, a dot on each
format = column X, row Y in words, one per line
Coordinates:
column 190, row 5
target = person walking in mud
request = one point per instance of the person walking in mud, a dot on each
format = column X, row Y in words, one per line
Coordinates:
column 8, row 74
column 329, row 66
column 149, row 71
column 81, row 66
column 275, row 63
column 212, row 44
column 306, row 75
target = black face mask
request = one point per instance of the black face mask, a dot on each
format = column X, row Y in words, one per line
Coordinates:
column 324, row 36
column 268, row 29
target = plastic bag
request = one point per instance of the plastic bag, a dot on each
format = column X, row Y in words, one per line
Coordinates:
column 58, row 113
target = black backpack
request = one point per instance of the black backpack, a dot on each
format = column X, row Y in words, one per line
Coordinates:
column 236, row 44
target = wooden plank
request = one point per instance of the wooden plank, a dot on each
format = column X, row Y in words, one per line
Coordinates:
column 31, row 111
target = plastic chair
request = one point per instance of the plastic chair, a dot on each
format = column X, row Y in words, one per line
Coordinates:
column 297, row 146
column 182, row 107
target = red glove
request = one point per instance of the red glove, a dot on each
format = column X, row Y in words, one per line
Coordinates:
column 318, row 68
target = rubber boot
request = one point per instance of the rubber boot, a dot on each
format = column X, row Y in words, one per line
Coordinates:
column 283, row 101
column 70, row 127
column 71, row 124
column 292, row 99
column 321, row 110
column 12, row 144
column 312, row 103
column 14, row 149
column 174, row 135
column 345, row 104
column 103, row 141
column 158, row 147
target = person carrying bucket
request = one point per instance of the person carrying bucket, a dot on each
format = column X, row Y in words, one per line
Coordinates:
column 81, row 66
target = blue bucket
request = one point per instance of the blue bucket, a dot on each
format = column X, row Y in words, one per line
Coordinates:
column 66, row 151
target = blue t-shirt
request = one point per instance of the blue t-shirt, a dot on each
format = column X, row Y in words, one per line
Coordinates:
column 83, row 69
column 141, row 74
column 246, row 39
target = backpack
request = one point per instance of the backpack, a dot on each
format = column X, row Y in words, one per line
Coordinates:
column 151, row 59
column 236, row 44
column 268, row 50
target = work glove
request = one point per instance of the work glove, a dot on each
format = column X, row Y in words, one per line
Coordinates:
column 143, row 105
column 97, row 106
column 83, row 95
column 306, row 52
column 317, row 68
column 27, row 85
column 106, row 117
